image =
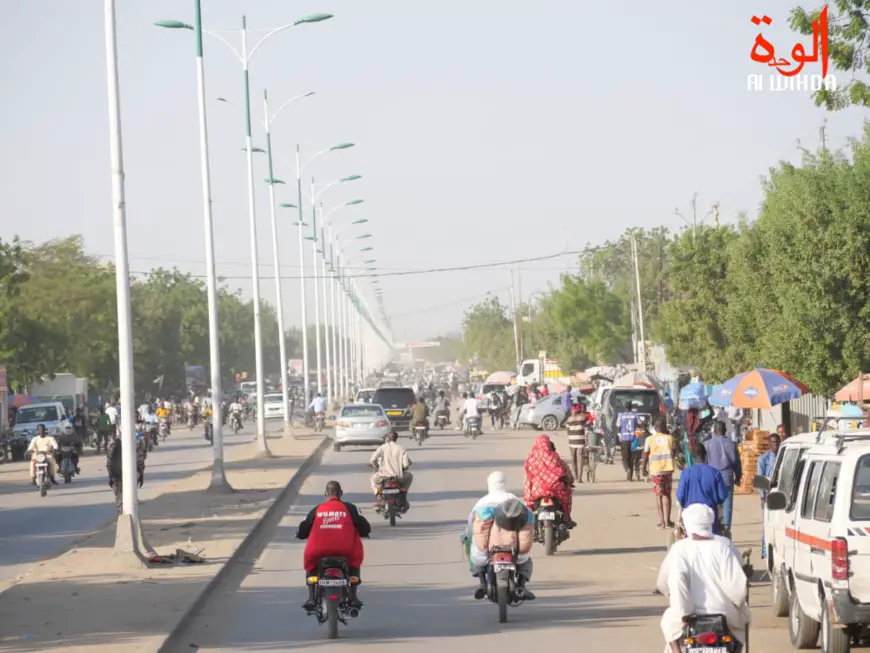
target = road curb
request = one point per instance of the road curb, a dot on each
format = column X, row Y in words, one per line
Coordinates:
column 247, row 553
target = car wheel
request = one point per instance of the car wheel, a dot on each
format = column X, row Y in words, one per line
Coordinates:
column 834, row 640
column 802, row 631
column 549, row 423
column 336, row 446
column 778, row 595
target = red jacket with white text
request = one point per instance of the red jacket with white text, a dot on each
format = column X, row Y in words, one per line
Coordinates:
column 333, row 528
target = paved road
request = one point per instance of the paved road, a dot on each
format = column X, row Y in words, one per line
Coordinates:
column 417, row 589
column 36, row 529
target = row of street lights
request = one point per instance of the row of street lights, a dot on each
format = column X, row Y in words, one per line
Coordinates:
column 346, row 350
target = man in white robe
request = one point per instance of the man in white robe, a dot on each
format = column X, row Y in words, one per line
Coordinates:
column 702, row 574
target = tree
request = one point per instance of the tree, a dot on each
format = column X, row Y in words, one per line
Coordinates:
column 811, row 248
column 849, row 47
column 488, row 332
column 691, row 324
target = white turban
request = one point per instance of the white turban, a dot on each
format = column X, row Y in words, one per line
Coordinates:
column 496, row 482
column 698, row 520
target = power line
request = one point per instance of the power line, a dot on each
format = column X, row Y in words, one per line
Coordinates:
column 405, row 273
column 452, row 304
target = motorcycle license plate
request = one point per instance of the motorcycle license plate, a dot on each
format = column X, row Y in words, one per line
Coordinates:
column 709, row 649
column 394, row 412
column 548, row 516
column 504, row 566
column 332, row 582
column 393, row 490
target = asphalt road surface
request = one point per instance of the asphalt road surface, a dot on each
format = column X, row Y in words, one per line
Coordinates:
column 35, row 528
column 594, row 594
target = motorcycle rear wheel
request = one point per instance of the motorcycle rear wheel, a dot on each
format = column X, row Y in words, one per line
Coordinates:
column 43, row 489
column 392, row 510
column 549, row 541
column 331, row 620
column 502, row 595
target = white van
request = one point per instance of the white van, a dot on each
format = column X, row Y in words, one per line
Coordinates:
column 817, row 529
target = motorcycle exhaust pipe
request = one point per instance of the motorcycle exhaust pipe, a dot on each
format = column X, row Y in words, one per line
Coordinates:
column 353, row 612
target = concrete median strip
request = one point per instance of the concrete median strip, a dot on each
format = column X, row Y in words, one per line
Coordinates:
column 73, row 603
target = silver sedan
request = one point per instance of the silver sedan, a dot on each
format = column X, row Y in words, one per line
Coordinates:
column 546, row 413
column 360, row 424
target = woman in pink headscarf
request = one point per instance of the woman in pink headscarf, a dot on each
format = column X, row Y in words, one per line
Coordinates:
column 547, row 475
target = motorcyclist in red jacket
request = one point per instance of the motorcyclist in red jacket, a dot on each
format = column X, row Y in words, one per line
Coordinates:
column 333, row 528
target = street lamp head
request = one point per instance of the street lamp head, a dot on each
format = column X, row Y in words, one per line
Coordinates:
column 223, row 99
column 297, row 224
column 312, row 238
column 256, row 150
column 313, row 18
column 352, row 202
column 371, row 260
column 288, row 205
column 367, row 249
column 361, row 221
column 341, row 146
column 363, row 236
column 173, row 24
column 273, row 181
column 309, row 94
column 351, row 178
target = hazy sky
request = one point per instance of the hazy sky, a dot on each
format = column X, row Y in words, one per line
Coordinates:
column 486, row 130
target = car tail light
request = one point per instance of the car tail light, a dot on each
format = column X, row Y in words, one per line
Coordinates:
column 839, row 559
column 661, row 408
column 382, row 422
column 707, row 639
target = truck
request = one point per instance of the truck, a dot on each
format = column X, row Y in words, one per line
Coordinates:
column 542, row 370
column 68, row 389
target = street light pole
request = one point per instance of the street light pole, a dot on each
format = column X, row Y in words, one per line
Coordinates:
column 282, row 345
column 324, row 283
column 218, row 474
column 316, row 294
column 244, row 57
column 305, row 368
column 128, row 529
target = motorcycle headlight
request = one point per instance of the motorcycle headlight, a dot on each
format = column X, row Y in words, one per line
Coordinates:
column 40, row 457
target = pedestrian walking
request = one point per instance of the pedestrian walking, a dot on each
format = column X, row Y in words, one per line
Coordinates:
column 658, row 459
column 722, row 454
column 627, row 424
column 577, row 440
column 104, row 430
column 765, row 468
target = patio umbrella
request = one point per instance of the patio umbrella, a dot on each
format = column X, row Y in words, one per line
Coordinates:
column 504, row 377
column 694, row 395
column 849, row 392
column 759, row 388
column 17, row 401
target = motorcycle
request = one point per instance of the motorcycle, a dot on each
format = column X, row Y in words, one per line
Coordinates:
column 393, row 501
column 472, row 427
column 708, row 633
column 43, row 480
column 550, row 527
column 153, row 432
column 208, row 431
column 442, row 421
column 421, row 432
column 318, row 422
column 163, row 429
column 503, row 587
column 333, row 594
column 65, row 463
column 236, row 423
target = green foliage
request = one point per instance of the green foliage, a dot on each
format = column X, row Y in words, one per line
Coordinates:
column 488, row 332
column 58, row 313
column 848, row 48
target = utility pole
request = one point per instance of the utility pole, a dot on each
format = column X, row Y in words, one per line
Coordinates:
column 640, row 300
column 716, row 214
column 514, row 315
column 822, row 134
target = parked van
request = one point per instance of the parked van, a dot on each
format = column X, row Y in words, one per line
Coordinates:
column 817, row 533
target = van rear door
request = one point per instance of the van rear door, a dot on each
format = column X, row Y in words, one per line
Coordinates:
column 858, row 530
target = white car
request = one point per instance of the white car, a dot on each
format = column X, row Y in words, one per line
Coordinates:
column 273, row 405
column 817, row 531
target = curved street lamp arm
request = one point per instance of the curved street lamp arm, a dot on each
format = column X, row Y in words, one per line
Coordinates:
column 227, row 43
column 288, row 103
column 270, row 34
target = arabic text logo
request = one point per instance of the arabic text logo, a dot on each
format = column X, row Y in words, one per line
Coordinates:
column 764, row 52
